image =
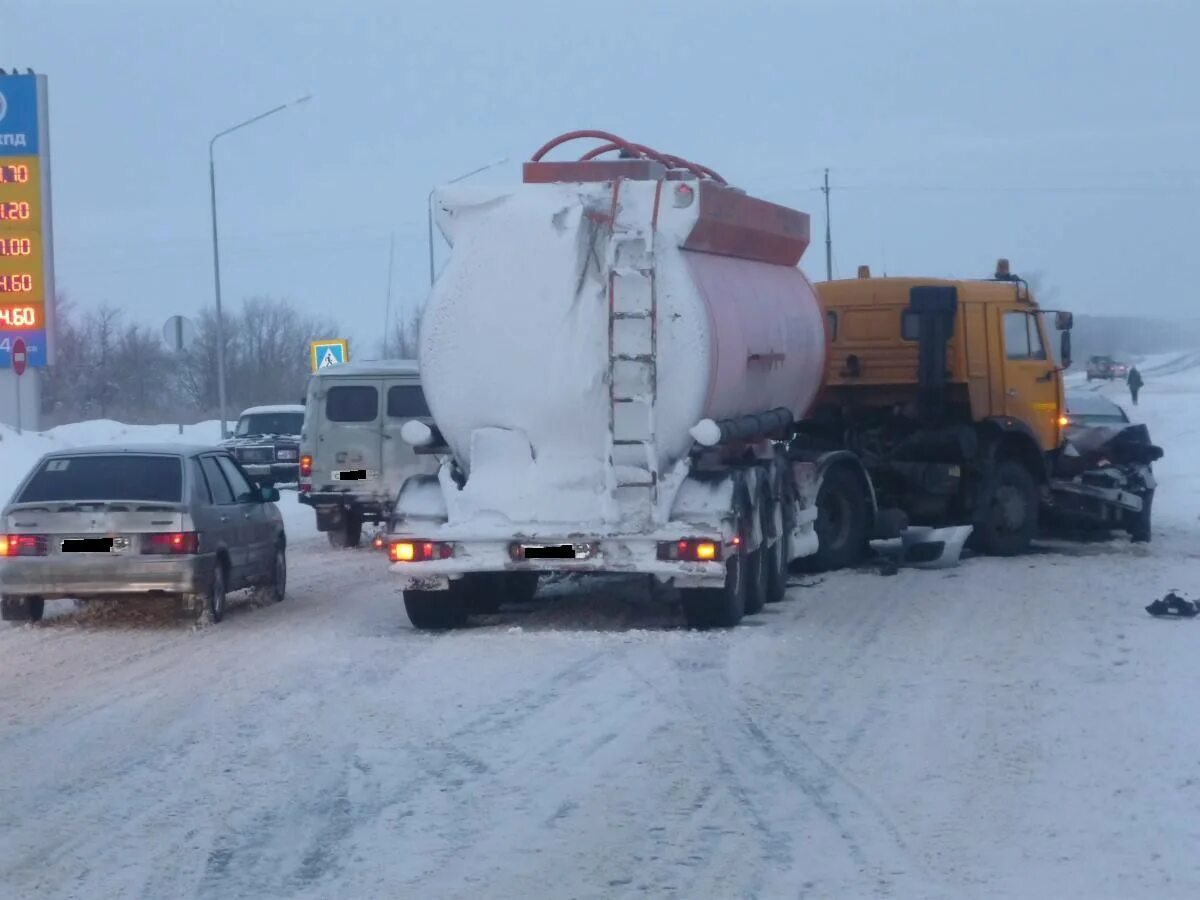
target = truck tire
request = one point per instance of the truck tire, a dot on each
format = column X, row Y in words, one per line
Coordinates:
column 485, row 592
column 1138, row 523
column 776, row 521
column 21, row 609
column 757, row 576
column 841, row 524
column 1008, row 517
column 348, row 534
column 436, row 610
column 721, row 607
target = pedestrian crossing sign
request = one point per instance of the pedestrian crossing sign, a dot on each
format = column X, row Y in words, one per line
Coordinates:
column 329, row 352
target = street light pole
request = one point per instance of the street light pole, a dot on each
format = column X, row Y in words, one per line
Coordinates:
column 429, row 206
column 212, row 187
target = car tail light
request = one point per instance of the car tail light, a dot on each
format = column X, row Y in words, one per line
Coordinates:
column 378, row 542
column 305, row 487
column 306, row 465
column 690, row 550
column 22, row 545
column 171, row 542
column 418, row 551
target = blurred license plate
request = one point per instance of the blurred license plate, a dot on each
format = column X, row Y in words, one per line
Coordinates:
column 556, row 551
column 88, row 545
column 354, row 474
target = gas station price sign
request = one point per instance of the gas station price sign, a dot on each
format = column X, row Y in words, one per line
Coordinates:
column 26, row 255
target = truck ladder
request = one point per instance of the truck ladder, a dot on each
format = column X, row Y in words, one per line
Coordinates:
column 632, row 348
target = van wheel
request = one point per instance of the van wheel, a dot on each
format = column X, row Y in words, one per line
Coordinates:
column 348, row 533
column 1008, row 517
column 21, row 609
column 841, row 523
column 436, row 610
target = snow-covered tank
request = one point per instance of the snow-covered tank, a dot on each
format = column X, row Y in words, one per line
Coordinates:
column 594, row 285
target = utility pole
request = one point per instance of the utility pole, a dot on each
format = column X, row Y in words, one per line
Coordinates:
column 387, row 309
column 828, row 237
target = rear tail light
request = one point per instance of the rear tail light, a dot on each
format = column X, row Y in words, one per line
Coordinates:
column 378, row 542
column 418, row 551
column 171, row 542
column 306, row 465
column 305, row 487
column 22, row 545
column 690, row 550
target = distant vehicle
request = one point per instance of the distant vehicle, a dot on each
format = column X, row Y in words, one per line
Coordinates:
column 266, row 442
column 352, row 459
column 1104, row 367
column 1120, row 369
column 1085, row 408
column 174, row 521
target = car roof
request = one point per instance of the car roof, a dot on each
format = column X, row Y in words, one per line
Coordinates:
column 1090, row 402
column 370, row 367
column 276, row 408
column 136, row 449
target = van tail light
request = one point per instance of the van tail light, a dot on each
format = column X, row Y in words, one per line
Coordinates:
column 22, row 545
column 171, row 542
column 418, row 551
column 690, row 550
column 306, row 465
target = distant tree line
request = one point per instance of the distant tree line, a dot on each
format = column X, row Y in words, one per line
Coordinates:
column 109, row 367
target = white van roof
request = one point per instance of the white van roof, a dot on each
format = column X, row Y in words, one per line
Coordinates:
column 371, row 367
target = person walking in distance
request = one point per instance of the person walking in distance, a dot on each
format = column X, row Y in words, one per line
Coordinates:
column 1134, row 380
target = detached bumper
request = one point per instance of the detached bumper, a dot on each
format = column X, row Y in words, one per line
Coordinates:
column 54, row 577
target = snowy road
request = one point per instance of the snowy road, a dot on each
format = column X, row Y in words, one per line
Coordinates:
column 1005, row 729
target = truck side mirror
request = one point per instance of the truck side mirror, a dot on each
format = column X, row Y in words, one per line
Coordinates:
column 1064, row 349
column 1063, row 321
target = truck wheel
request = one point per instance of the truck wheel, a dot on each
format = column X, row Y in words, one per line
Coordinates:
column 1138, row 524
column 758, row 561
column 841, row 523
column 436, row 610
column 348, row 533
column 21, row 609
column 775, row 521
column 1009, row 516
column 721, row 607
column 485, row 592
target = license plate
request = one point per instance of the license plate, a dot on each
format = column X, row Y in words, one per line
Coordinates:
column 354, row 474
column 88, row 545
column 556, row 551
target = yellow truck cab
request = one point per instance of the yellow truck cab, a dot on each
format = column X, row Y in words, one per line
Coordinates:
column 948, row 396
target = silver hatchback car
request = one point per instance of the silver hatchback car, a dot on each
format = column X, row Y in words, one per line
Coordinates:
column 175, row 521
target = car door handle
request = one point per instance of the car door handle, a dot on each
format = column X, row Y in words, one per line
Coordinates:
column 1012, row 392
column 245, row 515
column 224, row 518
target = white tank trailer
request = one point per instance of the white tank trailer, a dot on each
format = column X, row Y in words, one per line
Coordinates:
column 609, row 356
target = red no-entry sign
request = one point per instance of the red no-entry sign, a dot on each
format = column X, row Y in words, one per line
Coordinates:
column 19, row 357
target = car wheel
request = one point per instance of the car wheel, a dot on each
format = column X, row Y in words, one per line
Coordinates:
column 275, row 589
column 216, row 595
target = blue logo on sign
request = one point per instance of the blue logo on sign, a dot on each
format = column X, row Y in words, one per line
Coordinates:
column 35, row 348
column 18, row 115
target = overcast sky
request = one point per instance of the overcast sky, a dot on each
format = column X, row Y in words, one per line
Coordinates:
column 1064, row 135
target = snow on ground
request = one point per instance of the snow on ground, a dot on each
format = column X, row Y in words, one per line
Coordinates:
column 1009, row 728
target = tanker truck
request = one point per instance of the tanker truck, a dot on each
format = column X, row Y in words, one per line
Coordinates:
column 610, row 355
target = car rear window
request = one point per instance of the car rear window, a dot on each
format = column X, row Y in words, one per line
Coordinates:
column 107, row 477
column 406, row 401
column 352, row 403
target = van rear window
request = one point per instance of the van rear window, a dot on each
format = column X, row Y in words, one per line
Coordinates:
column 352, row 403
column 406, row 401
column 108, row 477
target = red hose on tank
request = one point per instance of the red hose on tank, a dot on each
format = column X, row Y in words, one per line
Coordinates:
column 613, row 142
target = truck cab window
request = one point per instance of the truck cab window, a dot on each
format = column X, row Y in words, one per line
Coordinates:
column 910, row 326
column 831, row 319
column 1022, row 340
